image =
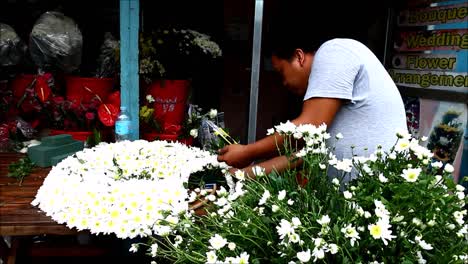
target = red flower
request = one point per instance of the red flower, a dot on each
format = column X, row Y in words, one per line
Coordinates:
column 4, row 133
column 90, row 115
column 58, row 99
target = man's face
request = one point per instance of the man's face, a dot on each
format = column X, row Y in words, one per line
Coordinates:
column 294, row 72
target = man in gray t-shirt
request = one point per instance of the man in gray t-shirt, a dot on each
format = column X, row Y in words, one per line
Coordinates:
column 344, row 86
column 372, row 109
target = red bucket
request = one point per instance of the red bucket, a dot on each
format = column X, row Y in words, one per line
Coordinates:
column 151, row 136
column 76, row 135
column 170, row 100
column 85, row 89
column 20, row 83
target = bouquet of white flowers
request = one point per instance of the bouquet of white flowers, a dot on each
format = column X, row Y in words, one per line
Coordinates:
column 128, row 188
column 402, row 208
column 175, row 53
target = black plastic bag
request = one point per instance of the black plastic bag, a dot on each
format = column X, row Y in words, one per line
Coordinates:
column 56, row 42
column 108, row 62
column 12, row 49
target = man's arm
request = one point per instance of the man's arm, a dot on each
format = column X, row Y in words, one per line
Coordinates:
column 279, row 164
column 315, row 111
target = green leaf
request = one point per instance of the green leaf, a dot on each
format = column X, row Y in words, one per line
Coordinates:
column 20, row 169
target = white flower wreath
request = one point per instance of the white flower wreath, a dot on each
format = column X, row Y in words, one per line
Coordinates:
column 128, row 188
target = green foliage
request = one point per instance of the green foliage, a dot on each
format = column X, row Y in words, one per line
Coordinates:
column 20, row 169
column 400, row 208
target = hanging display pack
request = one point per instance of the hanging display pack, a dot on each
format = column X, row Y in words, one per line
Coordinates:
column 107, row 61
column 12, row 49
column 56, row 42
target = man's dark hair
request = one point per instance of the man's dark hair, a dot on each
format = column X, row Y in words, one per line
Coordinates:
column 283, row 41
column 295, row 26
column 307, row 24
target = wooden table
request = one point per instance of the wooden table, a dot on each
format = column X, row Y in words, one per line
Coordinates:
column 17, row 216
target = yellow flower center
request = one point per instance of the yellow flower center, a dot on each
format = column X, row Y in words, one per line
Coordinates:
column 376, row 231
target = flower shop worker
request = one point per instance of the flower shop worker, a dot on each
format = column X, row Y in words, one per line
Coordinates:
column 344, row 85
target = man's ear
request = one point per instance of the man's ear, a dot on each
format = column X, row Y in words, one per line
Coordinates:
column 300, row 55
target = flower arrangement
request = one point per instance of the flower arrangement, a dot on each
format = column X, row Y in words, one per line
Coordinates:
column 174, row 53
column 402, row 207
column 128, row 188
column 189, row 127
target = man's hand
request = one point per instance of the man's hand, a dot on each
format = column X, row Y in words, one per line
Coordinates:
column 235, row 155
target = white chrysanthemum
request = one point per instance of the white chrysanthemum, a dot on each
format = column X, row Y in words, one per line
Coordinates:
column 347, row 195
column 411, row 175
column 194, row 133
column 134, row 248
column 449, row 168
column 270, row 131
column 333, row 248
column 285, row 228
column 423, row 244
column 382, row 178
column 217, row 242
column 154, row 250
column 403, row 134
column 243, row 258
column 281, row 195
column 296, row 222
column 240, row 175
column 150, row 98
column 345, row 165
column 324, row 220
column 421, row 260
column 458, row 215
column 266, row 195
column 221, row 201
column 402, row 145
column 274, row 208
column 286, row 128
column 380, row 210
column 336, row 182
column 213, row 113
column 211, row 257
column 231, row 246
column 437, row 164
column 381, row 230
column 294, row 238
column 304, row 256
column 350, row 232
column 318, row 253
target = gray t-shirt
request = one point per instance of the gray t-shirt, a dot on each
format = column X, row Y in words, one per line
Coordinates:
column 373, row 111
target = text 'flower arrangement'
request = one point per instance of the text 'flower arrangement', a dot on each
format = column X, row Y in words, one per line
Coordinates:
column 128, row 188
column 402, row 207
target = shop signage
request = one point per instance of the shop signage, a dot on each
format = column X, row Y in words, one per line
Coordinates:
column 457, row 81
column 453, row 39
column 455, row 62
column 434, row 15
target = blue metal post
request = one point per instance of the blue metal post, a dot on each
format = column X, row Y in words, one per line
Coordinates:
column 254, row 77
column 129, row 84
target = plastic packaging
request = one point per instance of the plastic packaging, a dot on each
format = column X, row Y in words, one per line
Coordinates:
column 56, row 41
column 207, row 135
column 12, row 49
column 107, row 61
column 122, row 125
